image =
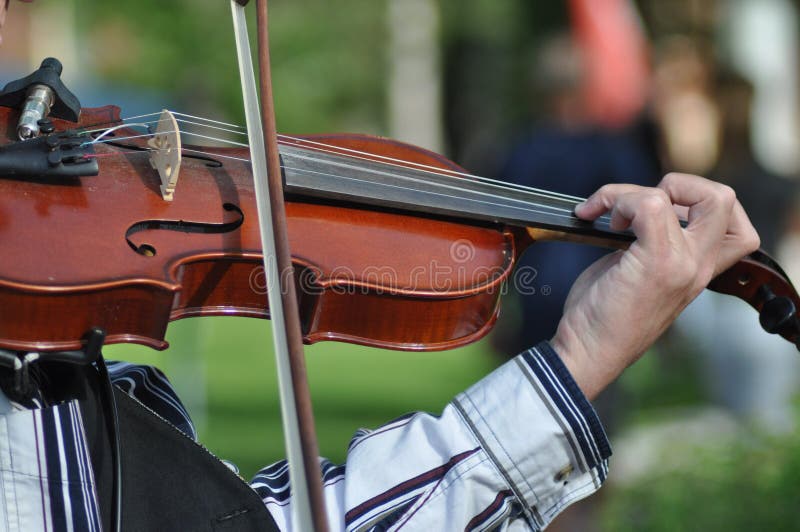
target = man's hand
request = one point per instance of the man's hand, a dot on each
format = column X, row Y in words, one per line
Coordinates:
column 3, row 10
column 623, row 302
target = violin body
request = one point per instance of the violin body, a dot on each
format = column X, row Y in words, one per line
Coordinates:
column 107, row 251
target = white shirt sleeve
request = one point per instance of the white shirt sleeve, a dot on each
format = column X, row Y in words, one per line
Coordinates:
column 509, row 453
column 512, row 451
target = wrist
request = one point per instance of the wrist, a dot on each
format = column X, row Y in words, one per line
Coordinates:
column 579, row 361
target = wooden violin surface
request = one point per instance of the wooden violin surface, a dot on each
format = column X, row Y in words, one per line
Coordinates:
column 107, row 251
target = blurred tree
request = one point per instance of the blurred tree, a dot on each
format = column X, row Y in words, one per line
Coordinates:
column 326, row 79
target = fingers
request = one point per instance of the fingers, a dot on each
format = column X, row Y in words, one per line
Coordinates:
column 646, row 286
column 719, row 232
column 716, row 218
column 602, row 201
column 740, row 240
column 709, row 204
column 647, row 211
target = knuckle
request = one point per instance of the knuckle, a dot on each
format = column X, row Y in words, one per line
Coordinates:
column 668, row 180
column 673, row 178
column 654, row 203
column 661, row 194
column 604, row 192
column 752, row 242
column 726, row 195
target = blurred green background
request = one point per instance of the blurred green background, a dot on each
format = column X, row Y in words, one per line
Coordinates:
column 352, row 386
column 330, row 64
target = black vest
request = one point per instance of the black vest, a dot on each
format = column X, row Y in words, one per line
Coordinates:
column 169, row 482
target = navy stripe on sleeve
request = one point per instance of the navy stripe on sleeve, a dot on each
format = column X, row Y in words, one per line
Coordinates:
column 571, row 403
column 54, row 477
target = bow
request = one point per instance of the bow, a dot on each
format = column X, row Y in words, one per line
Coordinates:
column 308, row 505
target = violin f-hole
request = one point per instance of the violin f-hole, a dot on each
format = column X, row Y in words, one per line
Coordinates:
column 181, row 226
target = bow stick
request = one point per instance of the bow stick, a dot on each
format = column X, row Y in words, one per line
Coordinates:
column 308, row 504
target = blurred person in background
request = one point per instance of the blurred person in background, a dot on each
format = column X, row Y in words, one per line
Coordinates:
column 704, row 116
column 3, row 11
column 566, row 151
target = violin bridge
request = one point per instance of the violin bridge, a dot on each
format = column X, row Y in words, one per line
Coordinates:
column 166, row 154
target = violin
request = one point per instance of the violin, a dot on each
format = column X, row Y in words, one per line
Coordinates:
column 113, row 232
column 393, row 246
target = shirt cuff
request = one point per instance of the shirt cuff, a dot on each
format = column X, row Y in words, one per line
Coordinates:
column 539, row 430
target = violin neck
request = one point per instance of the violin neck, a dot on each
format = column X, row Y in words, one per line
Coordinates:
column 330, row 176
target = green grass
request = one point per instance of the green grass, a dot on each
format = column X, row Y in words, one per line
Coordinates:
column 228, row 364
column 751, row 484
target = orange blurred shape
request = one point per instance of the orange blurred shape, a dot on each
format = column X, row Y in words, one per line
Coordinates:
column 615, row 51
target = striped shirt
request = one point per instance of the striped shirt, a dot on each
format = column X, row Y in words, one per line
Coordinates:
column 509, row 453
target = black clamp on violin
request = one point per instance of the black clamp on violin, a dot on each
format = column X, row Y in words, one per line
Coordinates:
column 53, row 155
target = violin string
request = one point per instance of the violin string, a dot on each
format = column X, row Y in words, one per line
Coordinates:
column 184, row 121
column 574, row 200
column 241, row 128
column 527, row 207
column 458, row 183
column 129, row 137
column 437, row 170
column 111, row 130
column 119, row 139
column 148, row 115
column 407, row 178
column 524, row 210
column 160, row 120
column 150, row 133
column 456, row 187
column 399, row 162
column 231, row 142
column 85, row 129
column 145, row 150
